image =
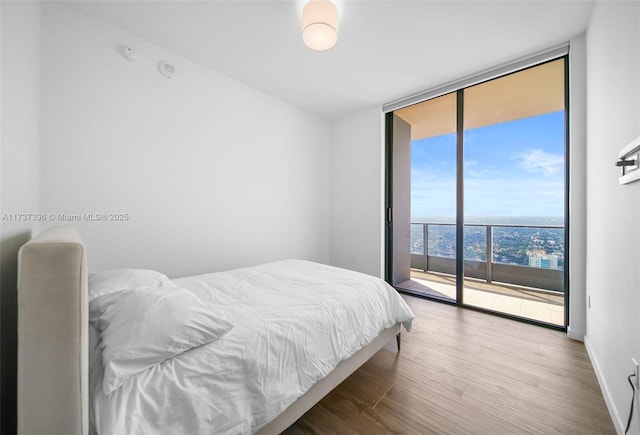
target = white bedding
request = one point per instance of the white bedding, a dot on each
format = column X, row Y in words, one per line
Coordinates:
column 293, row 322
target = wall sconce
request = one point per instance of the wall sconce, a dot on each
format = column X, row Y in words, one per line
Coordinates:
column 320, row 24
column 629, row 161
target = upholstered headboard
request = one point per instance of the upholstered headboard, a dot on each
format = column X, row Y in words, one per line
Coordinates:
column 53, row 334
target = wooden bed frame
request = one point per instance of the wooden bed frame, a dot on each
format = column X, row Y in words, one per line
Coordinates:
column 53, row 350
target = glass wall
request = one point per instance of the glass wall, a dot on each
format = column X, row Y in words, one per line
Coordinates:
column 488, row 169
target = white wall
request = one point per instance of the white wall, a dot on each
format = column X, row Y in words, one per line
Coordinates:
column 613, row 222
column 578, row 188
column 357, row 193
column 213, row 174
column 19, row 139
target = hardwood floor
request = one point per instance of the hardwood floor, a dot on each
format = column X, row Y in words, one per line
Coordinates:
column 464, row 372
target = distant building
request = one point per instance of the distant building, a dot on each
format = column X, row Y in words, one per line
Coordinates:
column 543, row 261
column 535, row 260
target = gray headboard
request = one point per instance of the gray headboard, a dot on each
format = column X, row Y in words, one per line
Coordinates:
column 53, row 334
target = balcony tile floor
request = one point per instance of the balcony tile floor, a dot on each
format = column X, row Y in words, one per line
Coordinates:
column 518, row 301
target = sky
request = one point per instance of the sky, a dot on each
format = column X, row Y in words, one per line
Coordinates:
column 515, row 168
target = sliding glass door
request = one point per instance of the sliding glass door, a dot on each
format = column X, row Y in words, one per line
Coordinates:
column 432, row 197
column 514, row 194
column 488, row 195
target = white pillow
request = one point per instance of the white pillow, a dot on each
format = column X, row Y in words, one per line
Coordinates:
column 145, row 326
column 109, row 281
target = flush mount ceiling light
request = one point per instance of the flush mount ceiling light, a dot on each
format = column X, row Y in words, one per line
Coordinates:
column 320, row 24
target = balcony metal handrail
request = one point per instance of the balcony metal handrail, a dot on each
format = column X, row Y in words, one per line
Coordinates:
column 493, row 225
column 488, row 243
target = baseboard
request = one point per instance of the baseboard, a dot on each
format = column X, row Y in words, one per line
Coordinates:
column 613, row 412
column 575, row 334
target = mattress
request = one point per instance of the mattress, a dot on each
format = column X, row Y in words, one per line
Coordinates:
column 293, row 322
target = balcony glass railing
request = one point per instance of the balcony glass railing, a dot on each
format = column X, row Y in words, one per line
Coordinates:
column 517, row 254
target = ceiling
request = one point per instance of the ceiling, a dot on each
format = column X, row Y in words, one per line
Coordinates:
column 385, row 50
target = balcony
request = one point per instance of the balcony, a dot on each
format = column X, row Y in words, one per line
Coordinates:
column 496, row 267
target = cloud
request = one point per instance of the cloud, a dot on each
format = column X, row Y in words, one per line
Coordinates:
column 514, row 197
column 527, row 183
column 473, row 169
column 487, row 196
column 538, row 161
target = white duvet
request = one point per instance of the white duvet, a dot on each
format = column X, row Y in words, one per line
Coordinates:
column 293, row 322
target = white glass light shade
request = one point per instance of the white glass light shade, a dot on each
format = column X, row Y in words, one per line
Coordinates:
column 320, row 24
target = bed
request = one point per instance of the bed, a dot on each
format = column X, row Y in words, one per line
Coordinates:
column 259, row 346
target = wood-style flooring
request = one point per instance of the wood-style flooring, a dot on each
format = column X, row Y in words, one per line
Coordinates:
column 465, row 372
